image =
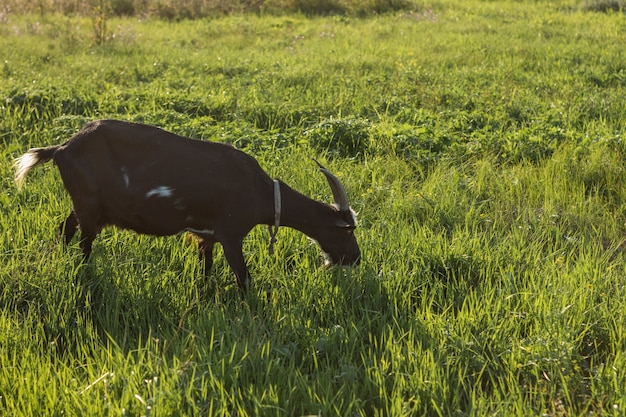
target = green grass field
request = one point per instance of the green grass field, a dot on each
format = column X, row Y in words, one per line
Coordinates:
column 482, row 144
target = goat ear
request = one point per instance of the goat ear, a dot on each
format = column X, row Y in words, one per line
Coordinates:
column 346, row 220
column 345, row 225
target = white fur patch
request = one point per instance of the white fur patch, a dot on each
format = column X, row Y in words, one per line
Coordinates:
column 161, row 191
column 202, row 232
column 125, row 176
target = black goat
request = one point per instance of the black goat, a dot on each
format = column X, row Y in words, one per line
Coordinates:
column 154, row 182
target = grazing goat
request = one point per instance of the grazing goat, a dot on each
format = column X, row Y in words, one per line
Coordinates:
column 143, row 178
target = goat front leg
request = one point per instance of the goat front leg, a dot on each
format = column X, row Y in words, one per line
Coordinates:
column 234, row 255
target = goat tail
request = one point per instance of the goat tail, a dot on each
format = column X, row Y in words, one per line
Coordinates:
column 31, row 159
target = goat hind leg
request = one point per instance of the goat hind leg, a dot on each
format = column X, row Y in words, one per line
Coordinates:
column 68, row 228
column 86, row 242
column 205, row 252
column 90, row 226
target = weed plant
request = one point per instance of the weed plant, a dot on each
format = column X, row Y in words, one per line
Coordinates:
column 482, row 144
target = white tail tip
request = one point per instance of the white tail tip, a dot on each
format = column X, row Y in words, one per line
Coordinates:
column 23, row 164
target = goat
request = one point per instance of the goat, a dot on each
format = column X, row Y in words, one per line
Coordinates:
column 143, row 178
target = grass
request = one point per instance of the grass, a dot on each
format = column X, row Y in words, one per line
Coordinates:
column 480, row 142
column 195, row 9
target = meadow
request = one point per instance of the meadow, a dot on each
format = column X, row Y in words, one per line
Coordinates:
column 481, row 143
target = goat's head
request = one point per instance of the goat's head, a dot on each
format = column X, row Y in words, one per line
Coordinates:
column 337, row 239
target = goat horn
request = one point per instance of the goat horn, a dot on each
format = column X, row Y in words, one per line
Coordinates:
column 339, row 193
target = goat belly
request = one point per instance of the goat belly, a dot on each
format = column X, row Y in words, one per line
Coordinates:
column 158, row 217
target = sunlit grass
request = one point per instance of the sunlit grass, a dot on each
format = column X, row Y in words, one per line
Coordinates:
column 480, row 143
